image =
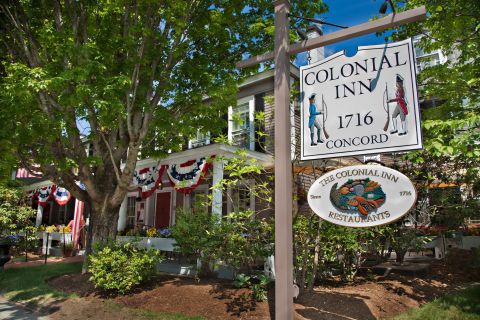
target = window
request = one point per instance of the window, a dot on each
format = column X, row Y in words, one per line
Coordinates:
column 131, row 206
column 241, row 126
column 428, row 61
column 202, row 139
column 199, row 199
column 241, row 199
column 241, row 131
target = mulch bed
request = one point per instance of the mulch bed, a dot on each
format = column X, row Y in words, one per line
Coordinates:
column 369, row 297
column 211, row 298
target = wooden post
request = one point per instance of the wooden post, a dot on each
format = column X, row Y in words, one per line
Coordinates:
column 26, row 245
column 283, row 167
column 46, row 248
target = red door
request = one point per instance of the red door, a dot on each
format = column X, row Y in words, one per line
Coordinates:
column 162, row 210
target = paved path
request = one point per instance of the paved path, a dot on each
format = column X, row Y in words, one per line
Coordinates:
column 9, row 310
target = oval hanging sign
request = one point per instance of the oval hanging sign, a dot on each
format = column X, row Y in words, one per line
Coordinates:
column 362, row 196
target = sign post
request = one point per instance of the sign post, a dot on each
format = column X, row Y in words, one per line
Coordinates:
column 283, row 170
column 283, row 167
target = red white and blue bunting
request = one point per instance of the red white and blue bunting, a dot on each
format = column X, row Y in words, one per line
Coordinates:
column 185, row 177
column 44, row 194
column 62, row 196
column 148, row 179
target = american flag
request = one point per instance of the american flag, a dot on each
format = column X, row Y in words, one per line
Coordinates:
column 24, row 173
column 77, row 222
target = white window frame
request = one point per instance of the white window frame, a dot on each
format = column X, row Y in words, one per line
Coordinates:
column 193, row 141
column 230, row 191
column 251, row 117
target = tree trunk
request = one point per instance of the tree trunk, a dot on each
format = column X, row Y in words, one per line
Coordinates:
column 102, row 227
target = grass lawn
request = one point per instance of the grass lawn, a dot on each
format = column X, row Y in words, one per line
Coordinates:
column 29, row 285
column 464, row 305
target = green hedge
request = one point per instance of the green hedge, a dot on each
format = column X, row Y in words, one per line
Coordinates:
column 121, row 267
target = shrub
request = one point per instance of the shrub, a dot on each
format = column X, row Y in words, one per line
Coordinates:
column 239, row 239
column 196, row 235
column 245, row 240
column 15, row 214
column 121, row 267
column 257, row 284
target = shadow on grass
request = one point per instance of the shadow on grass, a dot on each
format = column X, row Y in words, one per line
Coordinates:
column 463, row 305
column 29, row 285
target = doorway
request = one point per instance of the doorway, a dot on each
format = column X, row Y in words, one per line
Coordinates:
column 163, row 209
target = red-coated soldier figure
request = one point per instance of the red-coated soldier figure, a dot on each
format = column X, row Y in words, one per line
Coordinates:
column 401, row 109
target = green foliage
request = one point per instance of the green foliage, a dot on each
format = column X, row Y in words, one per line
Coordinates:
column 121, row 267
column 241, row 281
column 135, row 73
column 339, row 248
column 238, row 239
column 244, row 240
column 196, row 234
column 15, row 215
column 260, row 289
column 451, row 126
column 258, row 285
column 463, row 305
column 404, row 239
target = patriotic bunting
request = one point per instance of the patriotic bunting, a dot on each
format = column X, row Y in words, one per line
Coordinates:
column 62, row 196
column 148, row 179
column 44, row 194
column 186, row 176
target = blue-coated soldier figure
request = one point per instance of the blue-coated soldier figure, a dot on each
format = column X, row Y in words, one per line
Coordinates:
column 313, row 122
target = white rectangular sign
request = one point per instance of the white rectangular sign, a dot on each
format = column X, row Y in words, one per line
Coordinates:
column 359, row 105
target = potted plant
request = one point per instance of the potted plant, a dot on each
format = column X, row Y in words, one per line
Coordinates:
column 68, row 249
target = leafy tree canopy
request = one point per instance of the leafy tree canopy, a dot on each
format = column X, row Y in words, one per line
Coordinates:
column 451, row 126
column 138, row 72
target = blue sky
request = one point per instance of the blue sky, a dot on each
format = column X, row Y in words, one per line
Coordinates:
column 349, row 13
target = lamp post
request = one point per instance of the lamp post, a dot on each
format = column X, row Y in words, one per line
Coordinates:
column 283, row 165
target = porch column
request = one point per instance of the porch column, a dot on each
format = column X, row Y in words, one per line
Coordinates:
column 122, row 215
column 38, row 220
column 217, row 176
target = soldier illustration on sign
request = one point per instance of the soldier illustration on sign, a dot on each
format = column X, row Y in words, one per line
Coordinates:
column 401, row 108
column 313, row 122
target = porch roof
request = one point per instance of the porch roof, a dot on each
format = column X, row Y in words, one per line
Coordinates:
column 217, row 149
